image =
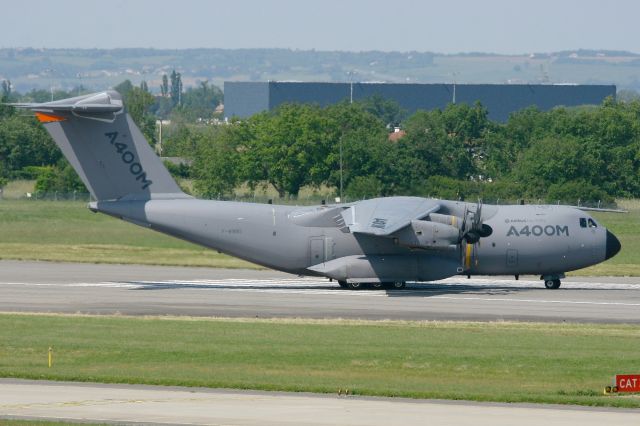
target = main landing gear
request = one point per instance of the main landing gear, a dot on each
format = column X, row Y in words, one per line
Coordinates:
column 396, row 285
column 351, row 286
column 552, row 282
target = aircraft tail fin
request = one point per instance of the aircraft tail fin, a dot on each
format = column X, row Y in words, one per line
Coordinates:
column 106, row 148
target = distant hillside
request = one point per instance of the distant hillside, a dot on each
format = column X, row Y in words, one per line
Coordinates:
column 99, row 69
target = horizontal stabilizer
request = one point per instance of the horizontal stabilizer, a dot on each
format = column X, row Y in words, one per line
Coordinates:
column 104, row 102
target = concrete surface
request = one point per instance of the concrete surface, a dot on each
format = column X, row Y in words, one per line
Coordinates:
column 160, row 405
column 153, row 290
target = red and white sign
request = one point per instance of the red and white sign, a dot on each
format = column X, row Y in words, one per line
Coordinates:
column 628, row 382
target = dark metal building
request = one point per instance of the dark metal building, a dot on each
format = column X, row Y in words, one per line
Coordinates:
column 243, row 99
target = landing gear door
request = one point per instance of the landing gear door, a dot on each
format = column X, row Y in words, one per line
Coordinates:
column 329, row 246
column 316, row 250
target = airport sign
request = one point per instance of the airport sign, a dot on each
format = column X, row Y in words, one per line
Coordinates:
column 628, row 382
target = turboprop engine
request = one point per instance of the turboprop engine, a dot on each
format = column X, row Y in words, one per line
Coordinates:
column 441, row 231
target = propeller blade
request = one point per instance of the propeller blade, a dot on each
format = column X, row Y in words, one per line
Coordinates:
column 463, row 227
column 477, row 230
column 478, row 215
column 472, row 237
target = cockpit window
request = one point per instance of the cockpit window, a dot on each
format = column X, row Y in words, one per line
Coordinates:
column 592, row 223
column 583, row 222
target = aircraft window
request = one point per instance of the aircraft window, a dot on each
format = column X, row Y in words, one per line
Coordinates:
column 592, row 223
column 583, row 222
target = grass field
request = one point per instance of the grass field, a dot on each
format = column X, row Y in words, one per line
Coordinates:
column 513, row 362
column 67, row 231
column 6, row 422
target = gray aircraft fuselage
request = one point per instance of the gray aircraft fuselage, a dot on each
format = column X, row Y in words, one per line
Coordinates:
column 530, row 239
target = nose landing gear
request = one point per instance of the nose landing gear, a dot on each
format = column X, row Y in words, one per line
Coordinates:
column 552, row 282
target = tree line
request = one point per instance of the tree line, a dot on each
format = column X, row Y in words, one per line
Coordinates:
column 589, row 154
column 568, row 154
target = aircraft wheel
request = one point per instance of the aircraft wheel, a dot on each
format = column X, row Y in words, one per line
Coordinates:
column 377, row 285
column 343, row 284
column 398, row 284
column 354, row 286
column 552, row 284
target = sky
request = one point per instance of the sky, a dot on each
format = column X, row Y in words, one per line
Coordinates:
column 453, row 26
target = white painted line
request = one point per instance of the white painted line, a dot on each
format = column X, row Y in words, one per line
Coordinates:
column 568, row 302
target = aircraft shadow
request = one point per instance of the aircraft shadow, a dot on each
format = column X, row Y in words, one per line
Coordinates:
column 437, row 289
column 412, row 289
column 146, row 285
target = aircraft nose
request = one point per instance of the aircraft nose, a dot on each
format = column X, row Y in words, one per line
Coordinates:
column 613, row 245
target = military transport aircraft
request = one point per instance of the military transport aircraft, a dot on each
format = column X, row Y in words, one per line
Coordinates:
column 382, row 242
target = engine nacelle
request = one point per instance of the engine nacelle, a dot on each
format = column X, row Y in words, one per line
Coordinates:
column 427, row 234
column 447, row 219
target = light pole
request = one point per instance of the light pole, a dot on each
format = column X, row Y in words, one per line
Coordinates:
column 454, row 74
column 351, row 74
column 159, row 148
column 351, row 92
column 49, row 72
column 79, row 75
column 341, row 199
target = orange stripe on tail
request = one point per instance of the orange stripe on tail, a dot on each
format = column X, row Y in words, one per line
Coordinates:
column 48, row 118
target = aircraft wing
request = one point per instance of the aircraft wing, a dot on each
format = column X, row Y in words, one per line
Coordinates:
column 384, row 216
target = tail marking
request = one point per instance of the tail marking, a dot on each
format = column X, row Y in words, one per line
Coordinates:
column 128, row 157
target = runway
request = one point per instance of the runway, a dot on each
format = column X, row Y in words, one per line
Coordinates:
column 153, row 290
column 172, row 405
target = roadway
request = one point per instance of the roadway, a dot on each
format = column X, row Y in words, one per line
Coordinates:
column 24, row 399
column 153, row 290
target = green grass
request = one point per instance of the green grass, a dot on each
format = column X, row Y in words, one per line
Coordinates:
column 14, row 422
column 511, row 362
column 68, row 231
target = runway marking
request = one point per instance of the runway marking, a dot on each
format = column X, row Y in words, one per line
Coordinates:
column 570, row 302
column 316, row 286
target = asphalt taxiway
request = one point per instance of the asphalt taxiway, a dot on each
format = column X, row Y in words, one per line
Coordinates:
column 172, row 405
column 154, row 290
